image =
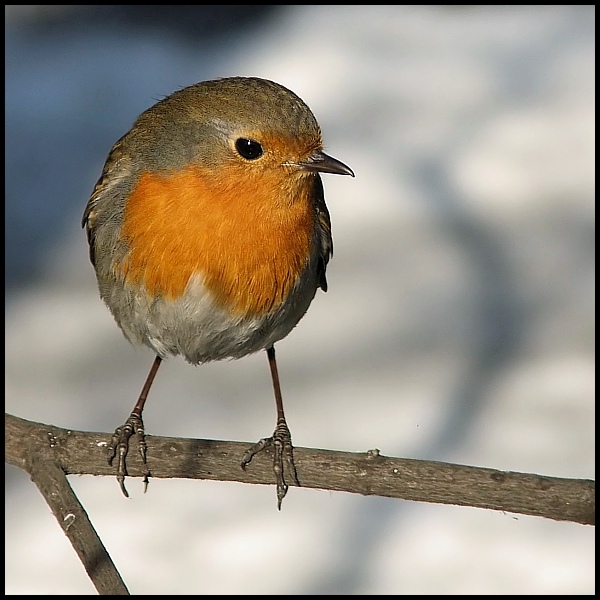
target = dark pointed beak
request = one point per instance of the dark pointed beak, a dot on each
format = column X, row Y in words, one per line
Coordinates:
column 323, row 163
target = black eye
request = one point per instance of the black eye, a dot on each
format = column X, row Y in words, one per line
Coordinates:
column 249, row 149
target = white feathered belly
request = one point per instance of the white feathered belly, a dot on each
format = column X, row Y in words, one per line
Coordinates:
column 196, row 327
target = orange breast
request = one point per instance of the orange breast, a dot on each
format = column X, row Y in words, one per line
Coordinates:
column 249, row 239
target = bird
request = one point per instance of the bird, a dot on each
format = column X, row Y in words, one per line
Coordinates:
column 209, row 236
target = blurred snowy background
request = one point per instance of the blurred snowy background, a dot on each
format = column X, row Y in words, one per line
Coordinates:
column 459, row 325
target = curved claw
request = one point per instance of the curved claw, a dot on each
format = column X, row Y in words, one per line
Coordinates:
column 281, row 441
column 119, row 446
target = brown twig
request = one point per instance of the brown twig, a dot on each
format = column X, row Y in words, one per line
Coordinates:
column 368, row 473
column 33, row 447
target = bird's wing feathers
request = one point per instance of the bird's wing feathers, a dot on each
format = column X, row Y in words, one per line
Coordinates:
column 326, row 241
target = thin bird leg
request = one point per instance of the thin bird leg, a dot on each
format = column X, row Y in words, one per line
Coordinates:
column 119, row 443
column 281, row 440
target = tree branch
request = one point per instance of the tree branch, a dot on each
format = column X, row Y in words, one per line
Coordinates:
column 32, row 447
column 367, row 473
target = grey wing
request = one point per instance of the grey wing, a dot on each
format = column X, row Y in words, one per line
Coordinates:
column 116, row 168
column 324, row 225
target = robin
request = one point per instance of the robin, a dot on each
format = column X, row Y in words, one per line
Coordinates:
column 209, row 235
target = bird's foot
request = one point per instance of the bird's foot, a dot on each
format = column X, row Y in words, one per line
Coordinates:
column 281, row 441
column 119, row 447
